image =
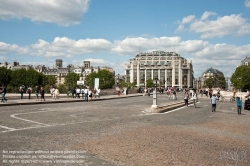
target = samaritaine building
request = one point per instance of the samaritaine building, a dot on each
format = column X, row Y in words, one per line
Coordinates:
column 170, row 69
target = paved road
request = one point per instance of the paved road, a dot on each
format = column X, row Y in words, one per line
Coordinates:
column 118, row 132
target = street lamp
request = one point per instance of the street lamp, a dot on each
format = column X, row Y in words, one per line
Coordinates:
column 69, row 66
column 155, row 95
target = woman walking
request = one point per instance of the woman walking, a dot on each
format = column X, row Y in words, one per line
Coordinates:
column 42, row 94
column 186, row 97
column 37, row 92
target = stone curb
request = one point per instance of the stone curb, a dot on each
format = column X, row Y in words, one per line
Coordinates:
column 168, row 107
column 65, row 101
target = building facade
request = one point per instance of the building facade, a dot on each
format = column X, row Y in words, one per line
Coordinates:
column 246, row 61
column 210, row 72
column 169, row 68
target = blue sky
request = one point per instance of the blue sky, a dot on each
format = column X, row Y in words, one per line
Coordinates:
column 210, row 33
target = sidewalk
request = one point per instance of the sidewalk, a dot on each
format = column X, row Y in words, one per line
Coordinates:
column 13, row 100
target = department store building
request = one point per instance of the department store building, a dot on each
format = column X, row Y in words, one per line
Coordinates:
column 169, row 68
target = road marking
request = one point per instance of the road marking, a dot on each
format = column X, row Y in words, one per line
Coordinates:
column 14, row 116
column 8, row 128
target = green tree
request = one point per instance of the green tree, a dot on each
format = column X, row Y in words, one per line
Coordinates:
column 71, row 79
column 122, row 84
column 209, row 82
column 150, row 83
column 49, row 80
column 240, row 78
column 18, row 78
column 33, row 78
column 106, row 79
column 5, row 75
column 222, row 82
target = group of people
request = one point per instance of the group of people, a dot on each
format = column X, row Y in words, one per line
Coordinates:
column 87, row 93
column 38, row 91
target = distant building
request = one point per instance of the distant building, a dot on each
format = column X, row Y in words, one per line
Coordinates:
column 169, row 68
column 246, row 61
column 59, row 63
column 210, row 72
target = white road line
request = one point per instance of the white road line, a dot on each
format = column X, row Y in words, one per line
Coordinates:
column 14, row 116
column 8, row 128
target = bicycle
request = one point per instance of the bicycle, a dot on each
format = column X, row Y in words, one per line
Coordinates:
column 232, row 99
column 222, row 98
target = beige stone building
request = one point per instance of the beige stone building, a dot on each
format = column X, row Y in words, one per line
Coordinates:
column 171, row 69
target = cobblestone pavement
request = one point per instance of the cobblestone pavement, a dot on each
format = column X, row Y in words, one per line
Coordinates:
column 118, row 132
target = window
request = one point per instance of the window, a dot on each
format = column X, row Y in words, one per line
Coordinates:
column 246, row 63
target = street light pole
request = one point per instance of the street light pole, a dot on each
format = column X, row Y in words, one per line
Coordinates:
column 69, row 66
column 154, row 106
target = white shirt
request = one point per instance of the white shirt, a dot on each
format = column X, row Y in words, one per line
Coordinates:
column 98, row 90
column 86, row 91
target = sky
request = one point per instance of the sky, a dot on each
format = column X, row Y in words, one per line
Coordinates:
column 210, row 33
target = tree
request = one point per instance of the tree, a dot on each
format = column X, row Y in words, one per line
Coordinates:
column 33, row 78
column 209, row 82
column 49, row 80
column 106, row 79
column 240, row 78
column 150, row 83
column 18, row 78
column 5, row 75
column 222, row 82
column 71, row 79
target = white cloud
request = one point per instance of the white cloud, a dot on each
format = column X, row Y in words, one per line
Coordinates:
column 62, row 12
column 65, row 47
column 221, row 26
column 222, row 56
column 188, row 19
column 132, row 46
column 8, row 48
column 207, row 14
column 247, row 3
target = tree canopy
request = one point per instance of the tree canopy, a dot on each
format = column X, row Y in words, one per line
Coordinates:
column 209, row 82
column 106, row 79
column 150, row 83
column 5, row 75
column 241, row 77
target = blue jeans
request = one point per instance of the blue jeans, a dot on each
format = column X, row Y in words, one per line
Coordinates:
column 86, row 97
column 3, row 97
column 239, row 109
column 21, row 95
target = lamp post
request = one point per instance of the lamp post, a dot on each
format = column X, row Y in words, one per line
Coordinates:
column 69, row 66
column 154, row 106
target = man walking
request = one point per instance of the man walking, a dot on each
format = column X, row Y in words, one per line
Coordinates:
column 213, row 102
column 21, row 90
column 3, row 92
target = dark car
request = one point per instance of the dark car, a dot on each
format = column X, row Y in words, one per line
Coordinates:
column 247, row 105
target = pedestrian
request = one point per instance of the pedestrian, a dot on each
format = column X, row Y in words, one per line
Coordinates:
column 3, row 92
column 73, row 91
column 90, row 94
column 169, row 93
column 174, row 95
column 21, row 90
column 86, row 92
column 213, row 102
column 78, row 91
column 57, row 93
column 239, row 104
column 37, row 92
column 29, row 90
column 52, row 91
column 98, row 92
column 42, row 92
column 82, row 91
column 186, row 97
column 148, row 92
column 195, row 98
